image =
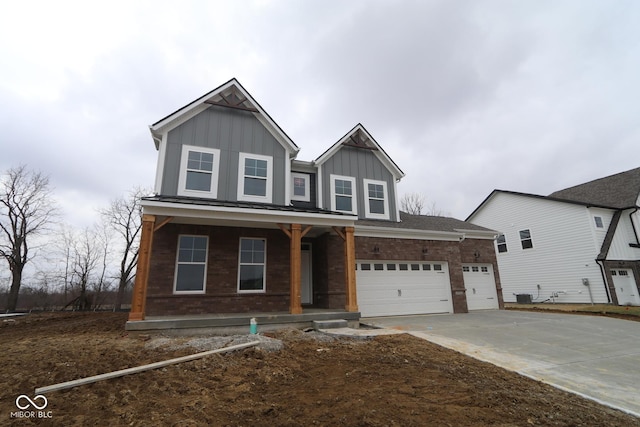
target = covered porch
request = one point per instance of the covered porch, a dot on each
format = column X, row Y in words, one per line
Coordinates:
column 287, row 232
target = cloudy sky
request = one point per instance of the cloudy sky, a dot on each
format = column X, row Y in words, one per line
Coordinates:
column 465, row 96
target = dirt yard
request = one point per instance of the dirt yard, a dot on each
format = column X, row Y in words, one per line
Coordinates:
column 393, row 380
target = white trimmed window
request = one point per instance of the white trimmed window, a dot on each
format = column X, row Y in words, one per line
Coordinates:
column 343, row 194
column 525, row 239
column 191, row 264
column 300, row 187
column 376, row 204
column 252, row 265
column 501, row 241
column 255, row 178
column 199, row 168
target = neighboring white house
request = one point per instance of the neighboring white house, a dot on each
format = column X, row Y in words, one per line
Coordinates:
column 577, row 245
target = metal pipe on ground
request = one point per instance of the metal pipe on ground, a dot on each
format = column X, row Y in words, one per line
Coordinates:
column 143, row 368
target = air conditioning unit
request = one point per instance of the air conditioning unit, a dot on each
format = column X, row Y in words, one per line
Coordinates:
column 524, row 298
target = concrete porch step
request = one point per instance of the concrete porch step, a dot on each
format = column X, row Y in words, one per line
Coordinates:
column 329, row 324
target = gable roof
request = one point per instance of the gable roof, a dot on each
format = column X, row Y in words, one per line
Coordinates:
column 534, row 196
column 427, row 223
column 232, row 95
column 618, row 191
column 359, row 137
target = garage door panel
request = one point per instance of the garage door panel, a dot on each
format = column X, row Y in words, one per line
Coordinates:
column 403, row 288
column 480, row 286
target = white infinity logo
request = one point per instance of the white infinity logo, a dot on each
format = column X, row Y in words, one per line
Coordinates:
column 31, row 402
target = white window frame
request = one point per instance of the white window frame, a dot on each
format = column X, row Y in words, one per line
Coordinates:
column 307, row 186
column 241, row 176
column 354, row 193
column 367, row 206
column 522, row 240
column 175, row 275
column 503, row 243
column 182, row 179
column 264, row 267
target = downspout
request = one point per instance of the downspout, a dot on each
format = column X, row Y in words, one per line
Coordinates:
column 635, row 232
column 604, row 280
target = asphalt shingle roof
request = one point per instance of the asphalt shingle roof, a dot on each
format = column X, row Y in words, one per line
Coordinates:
column 617, row 191
column 424, row 222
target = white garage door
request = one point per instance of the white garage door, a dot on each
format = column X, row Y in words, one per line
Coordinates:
column 481, row 286
column 626, row 288
column 391, row 288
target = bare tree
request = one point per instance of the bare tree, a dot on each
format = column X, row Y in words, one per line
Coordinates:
column 26, row 208
column 412, row 203
column 86, row 256
column 125, row 216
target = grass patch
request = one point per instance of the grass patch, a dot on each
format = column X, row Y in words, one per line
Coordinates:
column 580, row 308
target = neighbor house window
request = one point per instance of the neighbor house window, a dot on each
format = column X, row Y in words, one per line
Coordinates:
column 251, row 271
column 525, row 239
column 199, row 172
column 376, row 199
column 255, row 174
column 191, row 264
column 501, row 241
column 300, row 187
column 598, row 221
column 343, row 194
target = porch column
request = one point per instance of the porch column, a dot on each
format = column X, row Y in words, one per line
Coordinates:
column 295, row 306
column 139, row 298
column 350, row 270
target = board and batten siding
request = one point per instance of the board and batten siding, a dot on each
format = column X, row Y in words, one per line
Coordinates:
column 564, row 248
column 233, row 132
column 620, row 249
column 360, row 164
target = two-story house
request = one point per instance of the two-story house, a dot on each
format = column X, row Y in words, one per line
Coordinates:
column 239, row 225
column 577, row 245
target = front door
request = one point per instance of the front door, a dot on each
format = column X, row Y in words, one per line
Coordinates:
column 306, row 284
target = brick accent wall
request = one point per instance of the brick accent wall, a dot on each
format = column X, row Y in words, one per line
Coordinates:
column 329, row 291
column 221, row 294
column 328, row 272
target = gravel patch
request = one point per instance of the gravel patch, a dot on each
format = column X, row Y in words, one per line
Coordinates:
column 214, row 342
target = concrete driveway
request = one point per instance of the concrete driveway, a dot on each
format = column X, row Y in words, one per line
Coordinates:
column 596, row 357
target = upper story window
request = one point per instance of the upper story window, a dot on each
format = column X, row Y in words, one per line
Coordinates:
column 255, row 178
column 300, row 187
column 343, row 194
column 525, row 239
column 501, row 241
column 598, row 221
column 376, row 199
column 191, row 264
column 199, row 172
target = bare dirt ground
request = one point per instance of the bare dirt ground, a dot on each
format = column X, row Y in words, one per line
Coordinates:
column 393, row 380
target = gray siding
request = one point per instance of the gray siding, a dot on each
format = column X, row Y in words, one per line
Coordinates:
column 313, row 193
column 231, row 131
column 360, row 164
